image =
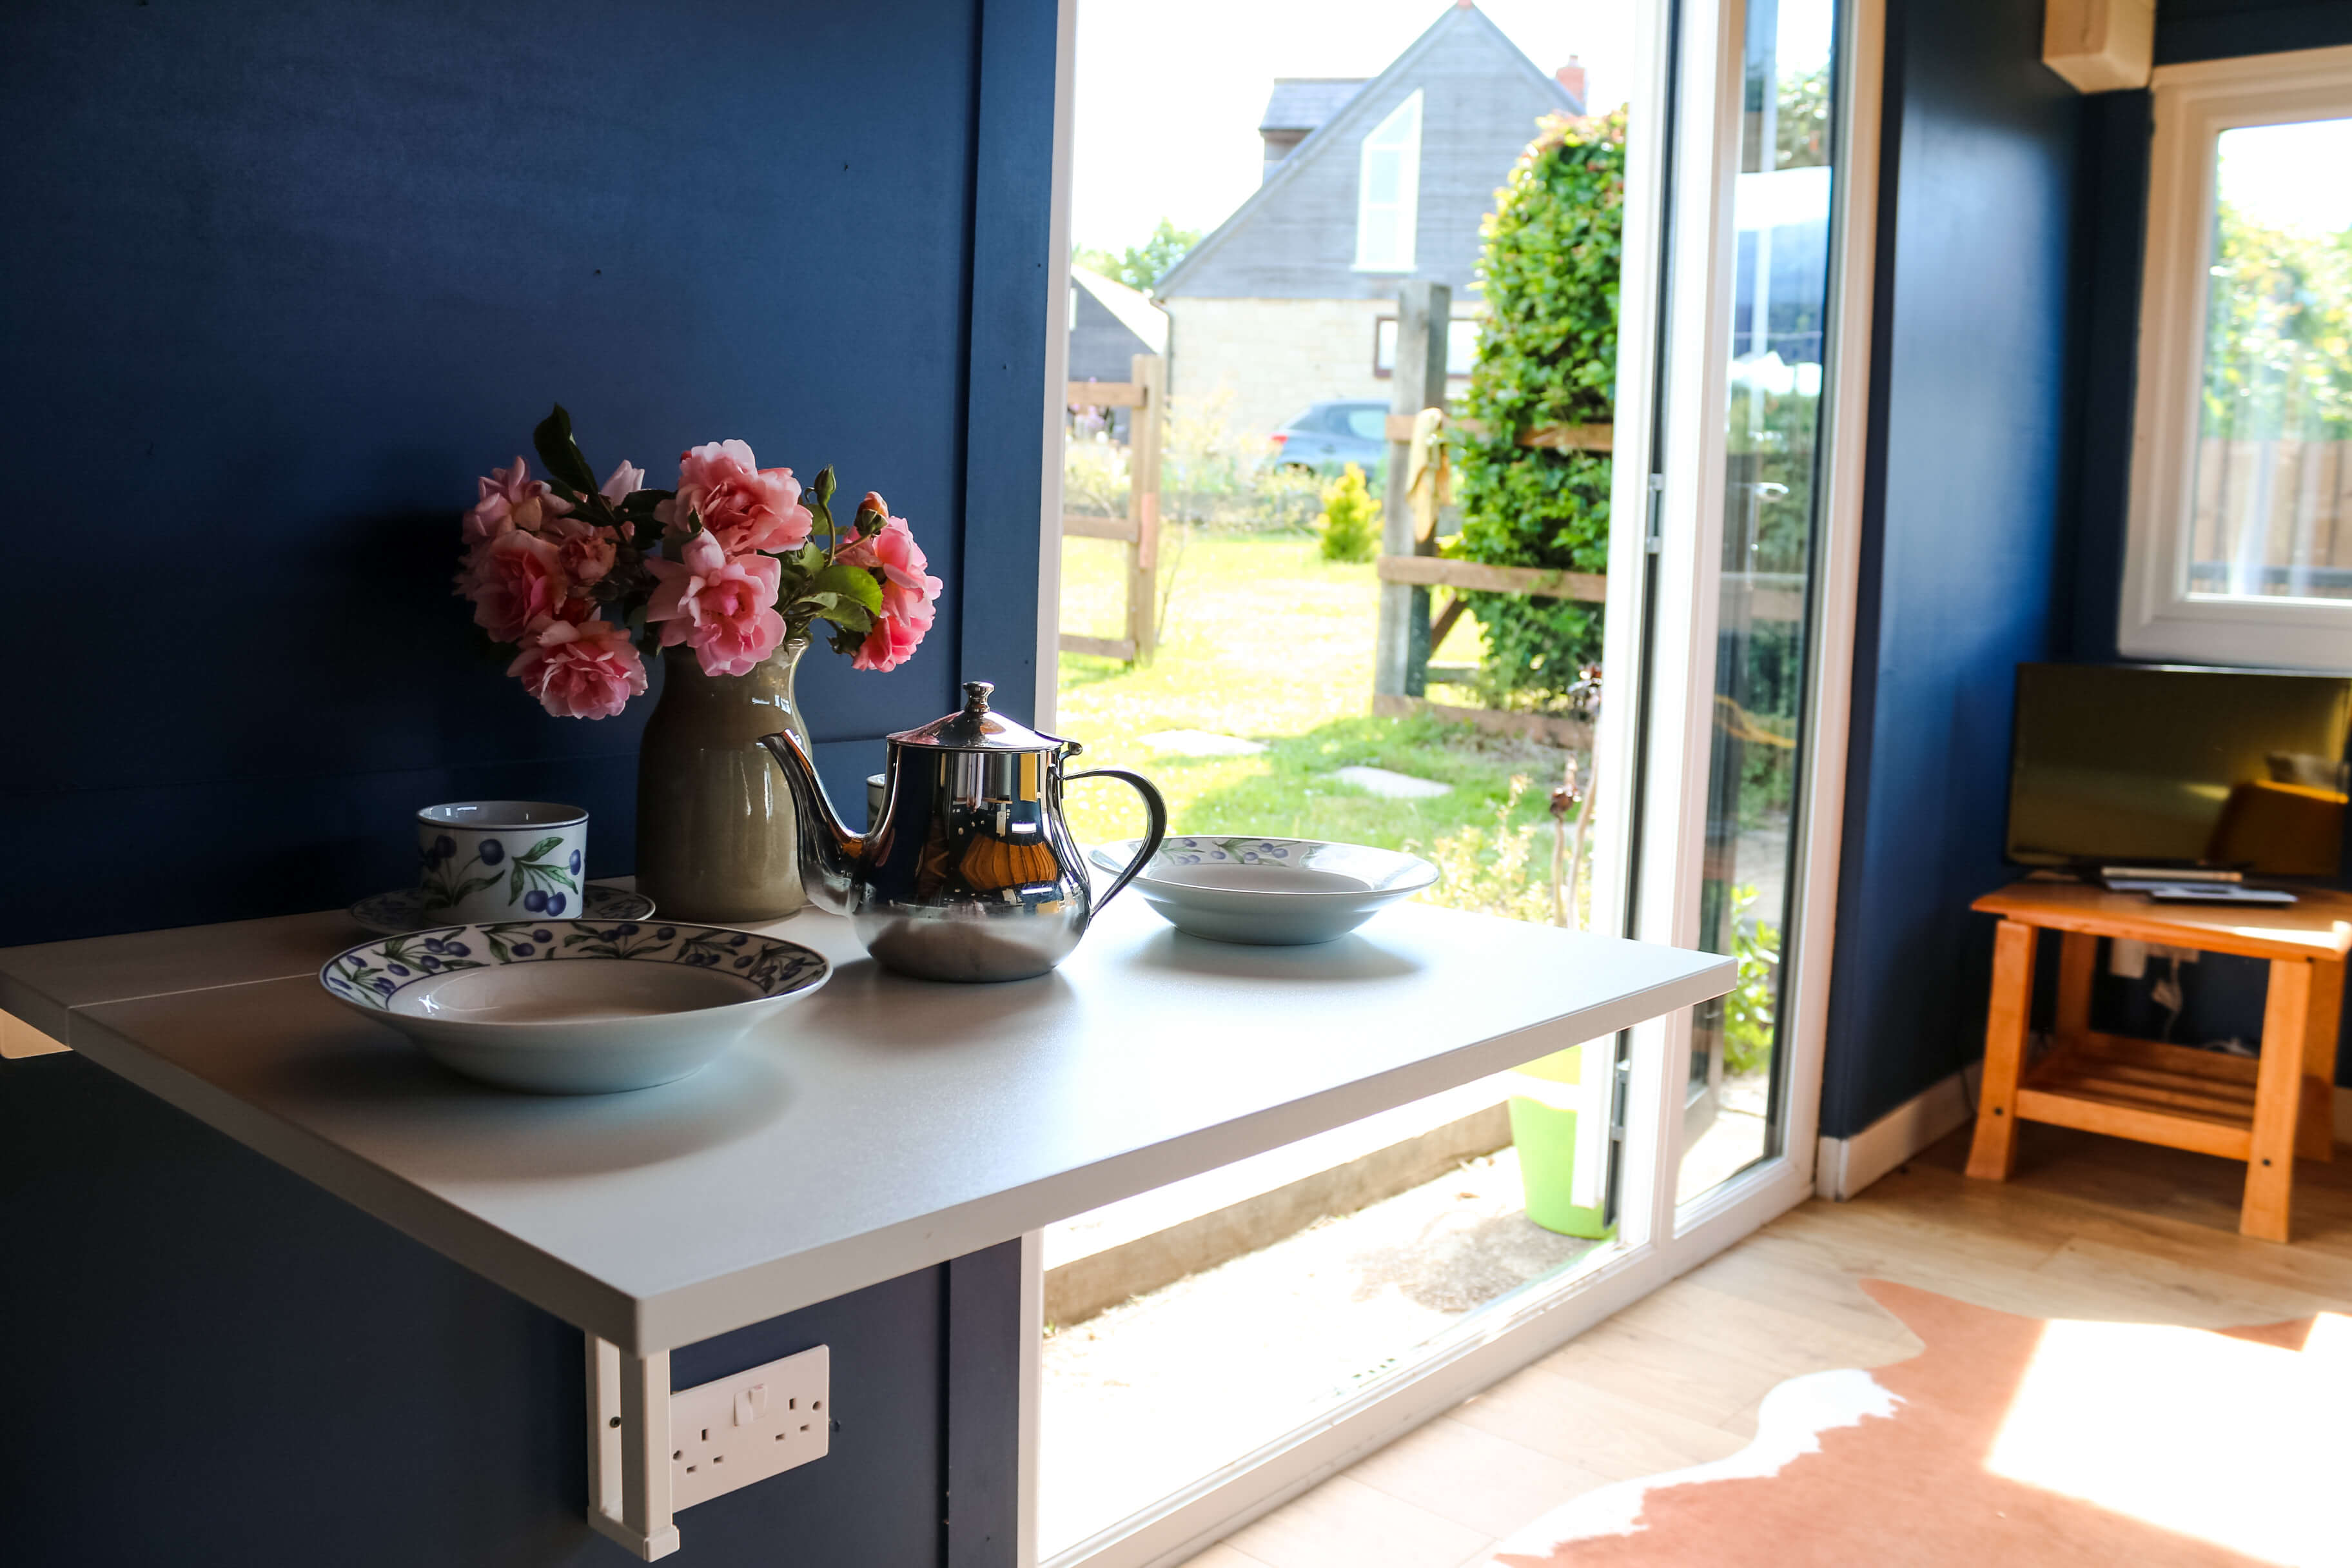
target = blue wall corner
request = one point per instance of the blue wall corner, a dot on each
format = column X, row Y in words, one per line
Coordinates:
column 1964, row 528
column 282, row 281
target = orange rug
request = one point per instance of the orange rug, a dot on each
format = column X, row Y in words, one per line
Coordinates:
column 2010, row 1441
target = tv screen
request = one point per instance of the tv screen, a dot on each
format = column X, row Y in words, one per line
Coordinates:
column 2135, row 765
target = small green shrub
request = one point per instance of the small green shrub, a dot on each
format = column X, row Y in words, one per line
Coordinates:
column 1496, row 870
column 1751, row 1008
column 1350, row 521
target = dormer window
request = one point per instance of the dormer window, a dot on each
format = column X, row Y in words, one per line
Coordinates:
column 1387, row 191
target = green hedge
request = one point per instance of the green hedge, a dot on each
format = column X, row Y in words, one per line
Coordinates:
column 1547, row 356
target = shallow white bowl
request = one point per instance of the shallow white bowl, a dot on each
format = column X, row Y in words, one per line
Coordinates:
column 1271, row 892
column 573, row 1006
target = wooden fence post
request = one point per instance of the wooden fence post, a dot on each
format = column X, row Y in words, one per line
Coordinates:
column 1146, row 429
column 1401, row 652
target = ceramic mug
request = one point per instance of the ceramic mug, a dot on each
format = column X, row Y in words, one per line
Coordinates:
column 500, row 859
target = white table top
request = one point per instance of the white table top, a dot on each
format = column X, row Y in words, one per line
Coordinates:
column 882, row 1125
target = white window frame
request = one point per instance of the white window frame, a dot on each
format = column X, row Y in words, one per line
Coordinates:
column 1402, row 219
column 2159, row 618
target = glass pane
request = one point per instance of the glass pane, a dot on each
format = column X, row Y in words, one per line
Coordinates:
column 2271, row 513
column 1780, row 299
column 1194, row 1324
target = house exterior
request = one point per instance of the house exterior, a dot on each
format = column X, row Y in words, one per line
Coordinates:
column 1367, row 184
column 1110, row 323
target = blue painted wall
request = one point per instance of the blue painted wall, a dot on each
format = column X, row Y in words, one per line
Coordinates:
column 2011, row 219
column 2223, row 995
column 231, row 1367
column 283, row 278
column 1965, row 546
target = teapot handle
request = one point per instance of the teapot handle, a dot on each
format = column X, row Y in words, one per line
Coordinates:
column 1152, row 802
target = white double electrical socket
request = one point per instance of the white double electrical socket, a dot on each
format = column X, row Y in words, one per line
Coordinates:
column 732, row 1431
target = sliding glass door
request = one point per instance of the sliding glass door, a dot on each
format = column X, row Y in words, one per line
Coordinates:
column 1782, row 196
column 1733, row 471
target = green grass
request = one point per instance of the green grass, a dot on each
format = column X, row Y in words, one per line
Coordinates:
column 1266, row 640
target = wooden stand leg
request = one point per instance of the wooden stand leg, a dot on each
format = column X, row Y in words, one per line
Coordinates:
column 2078, row 961
column 2314, row 1137
column 2278, row 1101
column 1995, row 1150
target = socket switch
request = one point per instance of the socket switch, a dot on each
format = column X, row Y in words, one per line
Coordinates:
column 732, row 1431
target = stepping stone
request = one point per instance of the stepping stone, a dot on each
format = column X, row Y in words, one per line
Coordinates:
column 1392, row 787
column 1200, row 744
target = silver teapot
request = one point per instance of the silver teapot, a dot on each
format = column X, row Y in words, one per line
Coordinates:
column 970, row 871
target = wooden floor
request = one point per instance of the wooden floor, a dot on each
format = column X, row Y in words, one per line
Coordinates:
column 2090, row 1227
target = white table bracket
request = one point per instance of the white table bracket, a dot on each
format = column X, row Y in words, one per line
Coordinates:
column 629, row 1448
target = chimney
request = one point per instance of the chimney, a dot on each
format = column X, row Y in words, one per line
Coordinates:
column 1572, row 76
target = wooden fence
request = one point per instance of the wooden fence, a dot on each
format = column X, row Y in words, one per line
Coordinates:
column 1410, row 568
column 1146, row 393
column 2271, row 517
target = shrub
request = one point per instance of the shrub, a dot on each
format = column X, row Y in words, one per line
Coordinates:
column 1349, row 523
column 1751, row 1010
column 1496, row 870
column 1547, row 356
column 1094, row 476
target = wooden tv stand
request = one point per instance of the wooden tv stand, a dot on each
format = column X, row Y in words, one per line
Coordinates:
column 2264, row 1111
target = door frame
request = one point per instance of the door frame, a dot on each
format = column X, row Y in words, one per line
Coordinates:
column 1656, row 759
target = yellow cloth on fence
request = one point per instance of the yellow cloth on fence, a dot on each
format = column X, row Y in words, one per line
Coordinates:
column 1429, row 475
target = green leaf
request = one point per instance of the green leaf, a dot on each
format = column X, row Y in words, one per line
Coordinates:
column 562, row 454
column 852, row 582
column 849, row 618
column 542, row 846
column 514, row 886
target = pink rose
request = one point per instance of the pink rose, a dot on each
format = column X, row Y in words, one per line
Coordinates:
column 893, row 638
column 584, row 550
column 583, row 670
column 510, row 499
column 895, row 554
column 909, row 593
column 627, row 479
column 722, row 606
column 746, row 507
column 513, row 580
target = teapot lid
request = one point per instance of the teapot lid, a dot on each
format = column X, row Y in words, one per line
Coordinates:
column 978, row 729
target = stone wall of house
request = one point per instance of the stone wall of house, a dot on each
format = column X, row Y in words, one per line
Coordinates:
column 1276, row 356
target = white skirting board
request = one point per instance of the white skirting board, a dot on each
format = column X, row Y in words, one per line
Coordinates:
column 1847, row 1165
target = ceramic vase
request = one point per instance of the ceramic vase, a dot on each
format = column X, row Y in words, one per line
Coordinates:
column 716, row 833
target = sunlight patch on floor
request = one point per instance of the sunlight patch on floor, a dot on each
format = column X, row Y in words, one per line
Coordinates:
column 2194, row 1432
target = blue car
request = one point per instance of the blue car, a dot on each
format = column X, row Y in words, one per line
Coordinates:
column 1330, row 435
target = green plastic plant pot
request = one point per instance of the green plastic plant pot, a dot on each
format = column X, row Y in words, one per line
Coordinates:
column 1543, row 1126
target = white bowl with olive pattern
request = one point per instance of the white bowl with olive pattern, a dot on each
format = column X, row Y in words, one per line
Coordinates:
column 557, row 1006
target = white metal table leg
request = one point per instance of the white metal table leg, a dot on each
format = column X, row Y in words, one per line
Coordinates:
column 629, row 1448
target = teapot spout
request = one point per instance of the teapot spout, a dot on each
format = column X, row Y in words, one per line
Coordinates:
column 830, row 855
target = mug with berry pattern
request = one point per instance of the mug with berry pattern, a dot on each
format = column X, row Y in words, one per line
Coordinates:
column 500, row 859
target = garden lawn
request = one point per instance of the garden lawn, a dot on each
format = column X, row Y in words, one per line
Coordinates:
column 1266, row 640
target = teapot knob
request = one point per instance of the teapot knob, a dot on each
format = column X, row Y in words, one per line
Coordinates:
column 976, row 694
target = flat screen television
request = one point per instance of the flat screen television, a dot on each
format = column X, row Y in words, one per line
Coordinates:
column 2161, row 765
